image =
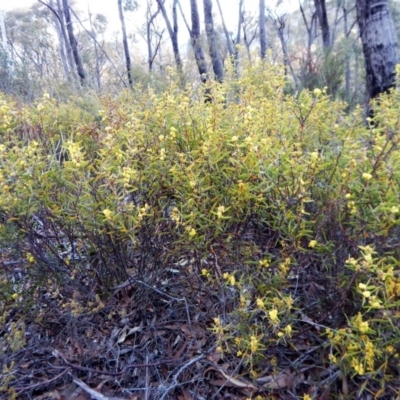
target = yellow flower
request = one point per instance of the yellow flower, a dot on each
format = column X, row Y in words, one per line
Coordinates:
column 264, row 263
column 394, row 210
column 288, row 330
column 253, row 344
column 366, row 294
column 107, row 213
column 362, row 286
column 192, row 232
column 273, row 316
column 374, row 302
column 317, row 92
column 220, row 212
column 307, row 397
column 205, row 272
column 30, row 258
column 332, row 358
column 260, row 303
column 312, row 244
column 366, row 176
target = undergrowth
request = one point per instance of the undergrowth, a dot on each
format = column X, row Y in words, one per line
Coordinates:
column 283, row 205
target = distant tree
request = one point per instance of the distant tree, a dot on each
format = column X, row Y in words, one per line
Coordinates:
column 231, row 42
column 73, row 43
column 125, row 43
column 379, row 41
column 172, row 30
column 262, row 22
column 320, row 7
column 151, row 32
column 212, row 42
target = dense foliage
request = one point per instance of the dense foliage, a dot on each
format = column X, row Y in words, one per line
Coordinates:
column 282, row 209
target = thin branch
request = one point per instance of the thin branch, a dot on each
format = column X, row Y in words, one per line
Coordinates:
column 101, row 47
column 36, row 385
column 183, row 16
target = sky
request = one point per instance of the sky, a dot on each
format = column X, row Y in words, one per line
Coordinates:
column 109, row 8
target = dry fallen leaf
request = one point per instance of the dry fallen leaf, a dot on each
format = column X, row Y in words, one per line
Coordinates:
column 281, row 381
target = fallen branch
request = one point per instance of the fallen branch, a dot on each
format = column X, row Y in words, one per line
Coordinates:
column 123, row 370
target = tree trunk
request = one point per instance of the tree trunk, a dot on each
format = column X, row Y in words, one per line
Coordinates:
column 347, row 59
column 238, row 37
column 212, row 43
column 195, row 41
column 74, row 43
column 67, row 46
column 263, row 29
column 173, row 33
column 320, row 7
column 379, row 41
column 96, row 53
column 125, row 43
column 61, row 42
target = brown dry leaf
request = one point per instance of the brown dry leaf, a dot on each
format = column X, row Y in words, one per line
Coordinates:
column 238, row 383
column 281, row 381
column 53, row 395
column 180, row 351
column 135, row 329
column 221, row 383
column 187, row 395
column 214, row 357
column 173, row 326
column 345, row 386
column 186, row 330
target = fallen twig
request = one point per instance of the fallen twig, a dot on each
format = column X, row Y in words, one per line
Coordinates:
column 36, row 385
column 123, row 370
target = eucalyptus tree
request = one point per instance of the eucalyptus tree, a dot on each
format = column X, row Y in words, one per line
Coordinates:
column 320, row 8
column 379, row 42
column 262, row 22
column 73, row 43
column 125, row 43
column 212, row 42
column 172, row 30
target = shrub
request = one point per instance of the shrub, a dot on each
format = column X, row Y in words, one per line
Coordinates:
column 284, row 204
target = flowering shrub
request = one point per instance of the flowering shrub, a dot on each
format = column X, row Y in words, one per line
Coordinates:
column 298, row 202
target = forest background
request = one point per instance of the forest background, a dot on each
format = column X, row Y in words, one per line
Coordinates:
column 199, row 206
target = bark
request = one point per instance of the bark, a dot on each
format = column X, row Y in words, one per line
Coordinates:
column 263, row 29
column 67, row 46
column 64, row 46
column 195, row 41
column 212, row 42
column 4, row 34
column 125, row 43
column 74, row 43
column 320, row 7
column 61, row 42
column 238, row 36
column 173, row 32
column 379, row 41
